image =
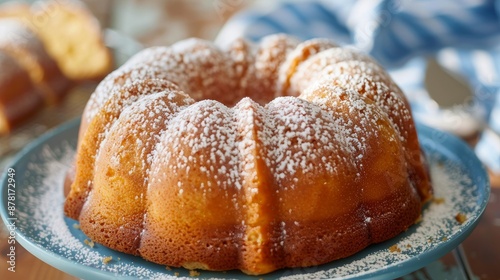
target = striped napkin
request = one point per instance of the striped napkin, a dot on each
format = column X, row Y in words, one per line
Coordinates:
column 463, row 36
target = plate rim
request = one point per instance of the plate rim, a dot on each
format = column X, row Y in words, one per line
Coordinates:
column 80, row 270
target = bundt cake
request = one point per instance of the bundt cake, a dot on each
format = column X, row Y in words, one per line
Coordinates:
column 36, row 39
column 257, row 158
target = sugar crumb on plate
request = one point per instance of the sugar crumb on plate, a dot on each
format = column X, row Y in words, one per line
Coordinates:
column 461, row 218
column 394, row 249
column 107, row 259
column 89, row 243
column 194, row 273
column 438, row 200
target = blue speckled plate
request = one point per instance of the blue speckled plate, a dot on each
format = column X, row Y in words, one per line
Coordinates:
column 458, row 178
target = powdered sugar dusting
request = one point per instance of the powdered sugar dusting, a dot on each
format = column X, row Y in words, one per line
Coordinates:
column 370, row 80
column 145, row 119
column 310, row 69
column 41, row 219
column 298, row 133
column 301, row 53
column 355, row 119
column 196, row 66
column 202, row 135
column 45, row 206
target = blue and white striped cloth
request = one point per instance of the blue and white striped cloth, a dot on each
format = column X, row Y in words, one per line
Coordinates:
column 462, row 35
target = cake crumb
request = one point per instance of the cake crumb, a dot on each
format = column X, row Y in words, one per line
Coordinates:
column 89, row 243
column 106, row 260
column 419, row 219
column 76, row 226
column 438, row 200
column 461, row 218
column 408, row 245
column 168, row 268
column 194, row 273
column 176, row 274
column 394, row 249
column 444, row 238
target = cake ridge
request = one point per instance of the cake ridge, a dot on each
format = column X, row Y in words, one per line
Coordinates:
column 99, row 127
column 301, row 53
column 136, row 144
column 258, row 191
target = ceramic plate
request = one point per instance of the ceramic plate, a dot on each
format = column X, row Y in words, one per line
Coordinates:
column 33, row 186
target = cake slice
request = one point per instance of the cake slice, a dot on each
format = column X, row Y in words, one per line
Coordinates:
column 70, row 34
column 23, row 45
